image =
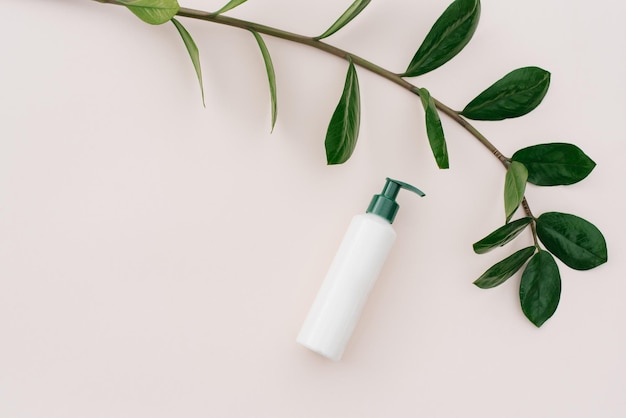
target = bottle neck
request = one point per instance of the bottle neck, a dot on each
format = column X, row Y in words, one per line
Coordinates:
column 384, row 207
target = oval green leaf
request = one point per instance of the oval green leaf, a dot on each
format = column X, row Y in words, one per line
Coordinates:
column 501, row 236
column 154, row 12
column 555, row 164
column 355, row 8
column 514, row 188
column 540, row 288
column 434, row 130
column 448, row 36
column 230, row 5
column 573, row 240
column 502, row 271
column 192, row 49
column 343, row 129
column 271, row 75
column 514, row 95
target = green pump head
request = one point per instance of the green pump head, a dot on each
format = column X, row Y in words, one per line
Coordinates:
column 384, row 204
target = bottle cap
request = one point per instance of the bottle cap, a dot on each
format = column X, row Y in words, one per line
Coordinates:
column 384, row 204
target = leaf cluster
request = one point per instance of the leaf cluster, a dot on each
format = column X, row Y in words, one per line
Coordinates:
column 575, row 241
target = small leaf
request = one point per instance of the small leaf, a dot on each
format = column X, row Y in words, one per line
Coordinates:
column 502, row 271
column 540, row 288
column 555, row 164
column 352, row 11
column 343, row 129
column 230, row 5
column 573, row 240
column 501, row 236
column 448, row 36
column 271, row 75
column 154, row 12
column 515, row 94
column 193, row 53
column 514, row 187
column 434, row 130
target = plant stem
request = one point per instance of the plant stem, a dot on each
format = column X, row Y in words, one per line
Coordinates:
column 341, row 53
column 533, row 224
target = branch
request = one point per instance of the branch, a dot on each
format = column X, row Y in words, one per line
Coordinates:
column 343, row 54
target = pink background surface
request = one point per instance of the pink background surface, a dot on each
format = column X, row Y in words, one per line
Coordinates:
column 157, row 258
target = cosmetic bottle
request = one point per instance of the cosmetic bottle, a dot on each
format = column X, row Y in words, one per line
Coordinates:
column 352, row 274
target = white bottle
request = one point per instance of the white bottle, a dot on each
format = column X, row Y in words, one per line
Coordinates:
column 352, row 275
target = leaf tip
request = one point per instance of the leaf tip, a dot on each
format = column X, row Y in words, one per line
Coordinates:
column 478, row 284
column 353, row 10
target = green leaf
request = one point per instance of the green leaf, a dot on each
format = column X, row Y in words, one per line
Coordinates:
column 555, row 164
column 271, row 75
column 515, row 94
column 193, row 53
column 230, row 5
column 514, row 187
column 448, row 36
column 352, row 11
column 540, row 288
column 573, row 240
column 434, row 130
column 502, row 271
column 154, row 12
column 501, row 236
column 343, row 129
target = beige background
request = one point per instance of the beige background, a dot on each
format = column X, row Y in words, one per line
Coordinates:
column 157, row 258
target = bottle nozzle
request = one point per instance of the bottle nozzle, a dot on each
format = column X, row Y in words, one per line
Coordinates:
column 385, row 204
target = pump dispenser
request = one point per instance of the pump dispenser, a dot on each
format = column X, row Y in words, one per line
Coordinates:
column 352, row 274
